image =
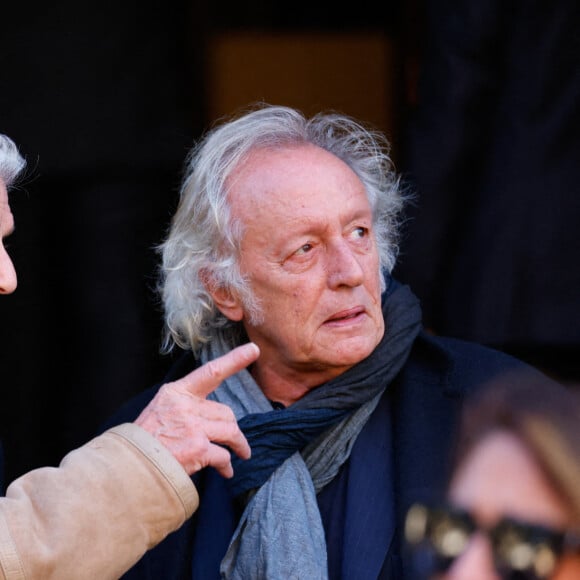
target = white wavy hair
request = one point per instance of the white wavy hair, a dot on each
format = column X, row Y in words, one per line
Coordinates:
column 204, row 239
column 11, row 162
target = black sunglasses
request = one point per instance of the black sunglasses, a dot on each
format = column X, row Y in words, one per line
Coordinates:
column 438, row 534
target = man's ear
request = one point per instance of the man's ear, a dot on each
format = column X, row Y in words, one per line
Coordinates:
column 227, row 302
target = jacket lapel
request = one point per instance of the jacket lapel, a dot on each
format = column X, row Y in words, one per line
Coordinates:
column 370, row 517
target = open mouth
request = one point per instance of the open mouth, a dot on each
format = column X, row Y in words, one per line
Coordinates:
column 345, row 315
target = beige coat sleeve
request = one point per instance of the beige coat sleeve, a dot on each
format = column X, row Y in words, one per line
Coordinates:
column 97, row 513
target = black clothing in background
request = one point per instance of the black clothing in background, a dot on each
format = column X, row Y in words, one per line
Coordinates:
column 100, row 99
column 493, row 152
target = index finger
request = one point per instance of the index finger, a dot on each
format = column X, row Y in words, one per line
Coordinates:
column 205, row 379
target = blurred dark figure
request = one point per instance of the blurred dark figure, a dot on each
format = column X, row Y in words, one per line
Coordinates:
column 493, row 152
column 100, row 99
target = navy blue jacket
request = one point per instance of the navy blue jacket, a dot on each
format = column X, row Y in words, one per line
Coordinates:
column 363, row 508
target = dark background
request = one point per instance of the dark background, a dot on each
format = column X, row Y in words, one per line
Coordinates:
column 105, row 101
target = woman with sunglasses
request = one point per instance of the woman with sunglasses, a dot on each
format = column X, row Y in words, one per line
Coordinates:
column 512, row 509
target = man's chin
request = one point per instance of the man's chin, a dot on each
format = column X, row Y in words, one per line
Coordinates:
column 347, row 353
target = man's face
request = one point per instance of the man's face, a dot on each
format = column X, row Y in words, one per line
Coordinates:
column 310, row 254
column 7, row 272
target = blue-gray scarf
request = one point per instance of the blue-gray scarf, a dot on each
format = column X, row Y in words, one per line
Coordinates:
column 298, row 450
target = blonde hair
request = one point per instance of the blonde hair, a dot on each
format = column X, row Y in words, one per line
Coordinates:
column 543, row 414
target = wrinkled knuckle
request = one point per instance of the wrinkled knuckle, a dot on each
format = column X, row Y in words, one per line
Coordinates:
column 229, row 415
column 212, row 368
column 163, row 390
column 223, row 457
column 198, row 442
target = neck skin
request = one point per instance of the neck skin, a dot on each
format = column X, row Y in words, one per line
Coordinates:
column 290, row 388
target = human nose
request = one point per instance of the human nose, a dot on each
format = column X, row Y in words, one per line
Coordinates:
column 344, row 267
column 8, row 280
column 475, row 563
